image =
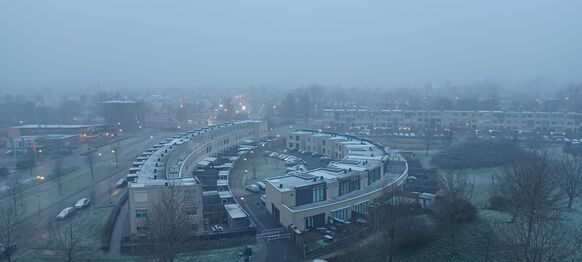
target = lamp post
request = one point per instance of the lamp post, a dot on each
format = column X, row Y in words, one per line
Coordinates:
column 39, row 179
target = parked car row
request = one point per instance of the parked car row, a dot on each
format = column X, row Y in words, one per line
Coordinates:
column 68, row 211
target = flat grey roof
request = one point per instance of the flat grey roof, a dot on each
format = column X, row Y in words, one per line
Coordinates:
column 235, row 211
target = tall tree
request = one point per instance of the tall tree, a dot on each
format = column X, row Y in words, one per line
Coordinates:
column 58, row 172
column 8, row 219
column 169, row 223
column 289, row 107
column 15, row 189
column 454, row 207
column 570, row 176
column 72, row 240
column 532, row 192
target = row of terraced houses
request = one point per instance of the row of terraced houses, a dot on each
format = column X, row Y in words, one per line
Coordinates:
column 485, row 120
column 172, row 162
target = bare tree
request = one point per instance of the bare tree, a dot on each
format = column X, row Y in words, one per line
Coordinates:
column 8, row 219
column 530, row 188
column 428, row 134
column 486, row 239
column 71, row 240
column 15, row 189
column 541, row 241
column 58, row 173
column 570, row 175
column 532, row 192
column 454, row 207
column 169, row 223
column 393, row 220
column 90, row 159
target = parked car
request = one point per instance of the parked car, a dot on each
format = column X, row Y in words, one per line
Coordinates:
column 217, row 228
column 65, row 213
column 315, row 154
column 328, row 238
column 121, row 182
column 263, row 199
column 82, row 203
column 261, row 185
column 267, row 153
column 253, row 188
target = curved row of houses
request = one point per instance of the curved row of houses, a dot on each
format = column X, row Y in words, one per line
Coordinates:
column 364, row 171
column 172, row 162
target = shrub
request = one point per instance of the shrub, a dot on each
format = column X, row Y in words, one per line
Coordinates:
column 417, row 235
column 24, row 164
column 479, row 153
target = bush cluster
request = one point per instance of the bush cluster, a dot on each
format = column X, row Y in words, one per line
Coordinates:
column 480, row 153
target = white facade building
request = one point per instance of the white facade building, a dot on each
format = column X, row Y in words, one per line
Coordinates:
column 363, row 172
column 486, row 120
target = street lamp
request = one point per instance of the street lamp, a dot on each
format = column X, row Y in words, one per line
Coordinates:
column 38, row 179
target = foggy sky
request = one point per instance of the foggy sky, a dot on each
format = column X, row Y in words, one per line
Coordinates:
column 137, row 43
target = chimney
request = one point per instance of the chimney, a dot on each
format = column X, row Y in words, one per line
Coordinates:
column 280, row 185
column 155, row 170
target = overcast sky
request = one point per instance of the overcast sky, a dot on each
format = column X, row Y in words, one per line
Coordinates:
column 138, row 43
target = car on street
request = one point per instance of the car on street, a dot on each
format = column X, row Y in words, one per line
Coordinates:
column 261, row 185
column 65, row 213
column 253, row 188
column 121, row 182
column 82, row 203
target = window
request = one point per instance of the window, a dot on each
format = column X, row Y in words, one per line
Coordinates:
column 290, row 145
column 140, row 197
column 373, row 175
column 362, row 207
column 341, row 214
column 141, row 213
column 319, row 193
column 349, row 184
column 308, row 222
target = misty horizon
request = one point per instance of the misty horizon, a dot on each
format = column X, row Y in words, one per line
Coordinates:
column 190, row 45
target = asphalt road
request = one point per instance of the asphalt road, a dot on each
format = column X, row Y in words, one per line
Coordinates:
column 277, row 250
column 38, row 227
